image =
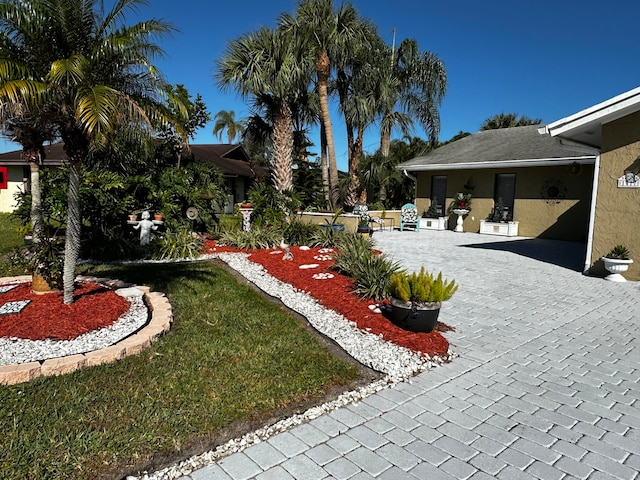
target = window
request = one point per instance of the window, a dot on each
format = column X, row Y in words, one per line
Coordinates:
column 504, row 193
column 439, row 193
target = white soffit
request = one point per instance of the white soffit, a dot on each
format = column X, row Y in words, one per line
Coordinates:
column 586, row 126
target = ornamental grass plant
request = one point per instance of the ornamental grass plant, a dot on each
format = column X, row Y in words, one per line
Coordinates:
column 421, row 287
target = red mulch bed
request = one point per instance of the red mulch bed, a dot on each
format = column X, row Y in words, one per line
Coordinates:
column 47, row 317
column 337, row 294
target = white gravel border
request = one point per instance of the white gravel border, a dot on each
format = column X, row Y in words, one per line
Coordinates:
column 398, row 363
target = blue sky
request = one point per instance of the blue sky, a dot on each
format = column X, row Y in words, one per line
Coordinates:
column 544, row 60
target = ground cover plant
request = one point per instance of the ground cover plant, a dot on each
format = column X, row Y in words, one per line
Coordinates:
column 232, row 362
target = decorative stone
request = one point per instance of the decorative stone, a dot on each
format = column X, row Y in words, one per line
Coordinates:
column 13, row 307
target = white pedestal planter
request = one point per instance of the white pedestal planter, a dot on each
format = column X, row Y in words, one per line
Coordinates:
column 460, row 212
column 616, row 267
column 507, row 229
column 439, row 223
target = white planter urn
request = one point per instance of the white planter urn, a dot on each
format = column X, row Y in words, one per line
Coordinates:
column 460, row 212
column 616, row 267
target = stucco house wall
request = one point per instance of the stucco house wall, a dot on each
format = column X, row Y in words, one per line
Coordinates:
column 617, row 209
column 15, row 184
column 564, row 217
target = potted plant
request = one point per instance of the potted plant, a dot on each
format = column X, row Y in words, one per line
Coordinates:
column 333, row 224
column 431, row 218
column 461, row 206
column 416, row 299
column 616, row 262
column 498, row 222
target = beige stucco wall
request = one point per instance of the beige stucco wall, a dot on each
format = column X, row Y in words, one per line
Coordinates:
column 616, row 215
column 565, row 219
column 15, row 184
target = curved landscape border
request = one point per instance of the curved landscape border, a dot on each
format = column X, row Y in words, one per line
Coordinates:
column 159, row 323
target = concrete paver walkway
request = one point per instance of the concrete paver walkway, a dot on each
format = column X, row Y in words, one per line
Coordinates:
column 547, row 384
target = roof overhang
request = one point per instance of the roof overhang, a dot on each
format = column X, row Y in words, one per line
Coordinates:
column 585, row 127
column 536, row 162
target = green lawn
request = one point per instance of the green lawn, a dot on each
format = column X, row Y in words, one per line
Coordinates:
column 9, row 240
column 231, row 358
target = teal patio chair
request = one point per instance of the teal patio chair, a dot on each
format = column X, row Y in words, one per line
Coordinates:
column 409, row 217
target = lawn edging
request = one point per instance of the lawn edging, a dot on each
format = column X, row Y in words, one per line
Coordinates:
column 159, row 323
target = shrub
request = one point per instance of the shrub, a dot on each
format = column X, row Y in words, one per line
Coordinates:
column 178, row 245
column 299, row 233
column 619, row 252
column 254, row 239
column 421, row 287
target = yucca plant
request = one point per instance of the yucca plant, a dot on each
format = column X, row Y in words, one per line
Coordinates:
column 619, row 252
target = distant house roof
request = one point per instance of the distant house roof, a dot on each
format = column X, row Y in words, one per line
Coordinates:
column 585, row 127
column 53, row 155
column 231, row 159
column 499, row 148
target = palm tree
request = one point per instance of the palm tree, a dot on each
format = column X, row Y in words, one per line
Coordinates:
column 269, row 67
column 226, row 120
column 102, row 78
column 24, row 48
column 327, row 33
column 412, row 85
column 508, row 120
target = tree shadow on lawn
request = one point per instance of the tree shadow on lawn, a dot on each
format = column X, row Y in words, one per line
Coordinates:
column 570, row 255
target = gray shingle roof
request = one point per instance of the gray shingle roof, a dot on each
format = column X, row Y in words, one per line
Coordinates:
column 500, row 145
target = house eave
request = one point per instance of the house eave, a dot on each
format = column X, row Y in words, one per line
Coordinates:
column 537, row 162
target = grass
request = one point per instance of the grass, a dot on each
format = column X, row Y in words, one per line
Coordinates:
column 10, row 238
column 231, row 358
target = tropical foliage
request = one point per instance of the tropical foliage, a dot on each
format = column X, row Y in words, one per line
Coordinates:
column 508, row 120
column 421, row 287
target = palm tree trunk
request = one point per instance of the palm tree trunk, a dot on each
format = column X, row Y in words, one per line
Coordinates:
column 282, row 171
column 385, row 144
column 323, row 66
column 37, row 223
column 72, row 240
column 324, row 165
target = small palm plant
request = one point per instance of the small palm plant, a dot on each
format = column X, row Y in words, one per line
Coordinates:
column 619, row 252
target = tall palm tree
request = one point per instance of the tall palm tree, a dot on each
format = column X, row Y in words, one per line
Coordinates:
column 102, row 78
column 24, row 48
column 412, row 85
column 326, row 33
column 269, row 67
column 226, row 120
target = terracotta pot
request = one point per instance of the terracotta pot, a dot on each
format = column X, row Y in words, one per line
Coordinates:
column 158, row 217
column 133, row 218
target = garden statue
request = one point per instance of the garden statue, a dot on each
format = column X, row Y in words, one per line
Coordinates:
column 145, row 225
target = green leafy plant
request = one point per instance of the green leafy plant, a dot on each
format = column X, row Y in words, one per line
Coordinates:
column 370, row 270
column 44, row 258
column 497, row 213
column 299, row 233
column 619, row 252
column 420, row 287
column 253, row 239
column 326, row 237
column 432, row 211
column 461, row 201
column 178, row 245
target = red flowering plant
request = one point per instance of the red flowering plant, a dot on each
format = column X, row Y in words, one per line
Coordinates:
column 461, row 201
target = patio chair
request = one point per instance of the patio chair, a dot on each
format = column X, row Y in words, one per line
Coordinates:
column 409, row 217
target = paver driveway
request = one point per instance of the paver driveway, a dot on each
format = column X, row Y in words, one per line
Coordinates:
column 546, row 385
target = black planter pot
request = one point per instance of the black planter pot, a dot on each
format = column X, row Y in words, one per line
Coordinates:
column 414, row 317
column 365, row 229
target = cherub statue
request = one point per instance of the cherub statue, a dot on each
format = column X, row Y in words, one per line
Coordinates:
column 145, row 225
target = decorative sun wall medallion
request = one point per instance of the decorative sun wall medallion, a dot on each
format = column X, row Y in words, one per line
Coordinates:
column 629, row 180
column 553, row 191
